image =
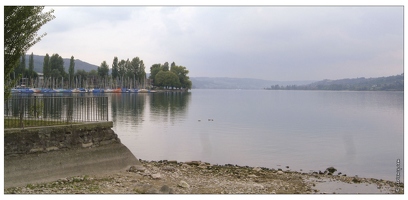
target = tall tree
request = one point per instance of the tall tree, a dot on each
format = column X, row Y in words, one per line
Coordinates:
column 103, row 70
column 46, row 66
column 57, row 67
column 121, row 71
column 165, row 66
column 127, row 73
column 71, row 71
column 142, row 72
column 30, row 66
column 31, row 73
column 80, row 78
column 20, row 70
column 154, row 69
column 21, row 24
column 115, row 68
column 134, row 67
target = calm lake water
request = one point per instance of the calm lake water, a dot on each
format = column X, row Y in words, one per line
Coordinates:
column 359, row 133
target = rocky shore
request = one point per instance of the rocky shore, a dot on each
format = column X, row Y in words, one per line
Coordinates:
column 195, row 177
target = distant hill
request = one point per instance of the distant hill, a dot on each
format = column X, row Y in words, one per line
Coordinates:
column 238, row 83
column 393, row 83
column 39, row 60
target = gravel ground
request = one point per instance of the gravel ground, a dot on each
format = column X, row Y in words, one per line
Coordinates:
column 195, row 177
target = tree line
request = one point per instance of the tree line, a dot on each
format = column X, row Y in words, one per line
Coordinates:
column 124, row 73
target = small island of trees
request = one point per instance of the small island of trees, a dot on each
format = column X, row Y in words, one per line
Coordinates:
column 173, row 78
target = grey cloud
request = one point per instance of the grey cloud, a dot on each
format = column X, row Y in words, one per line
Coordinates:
column 268, row 42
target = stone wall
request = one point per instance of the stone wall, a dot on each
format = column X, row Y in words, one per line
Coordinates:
column 44, row 154
column 55, row 138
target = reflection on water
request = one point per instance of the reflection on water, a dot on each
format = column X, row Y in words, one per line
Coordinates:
column 169, row 106
column 359, row 133
column 130, row 108
column 127, row 108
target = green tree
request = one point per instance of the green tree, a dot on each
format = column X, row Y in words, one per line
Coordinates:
column 154, row 69
column 31, row 74
column 181, row 73
column 71, row 71
column 21, row 24
column 46, row 66
column 92, row 78
column 20, row 70
column 165, row 66
column 115, row 68
column 57, row 67
column 31, row 66
column 142, row 72
column 80, row 78
column 137, row 70
column 121, row 71
column 167, row 79
column 103, row 70
column 134, row 67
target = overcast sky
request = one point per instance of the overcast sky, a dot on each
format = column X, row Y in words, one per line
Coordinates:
column 267, row 42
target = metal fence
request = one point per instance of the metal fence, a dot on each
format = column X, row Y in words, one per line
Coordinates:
column 20, row 112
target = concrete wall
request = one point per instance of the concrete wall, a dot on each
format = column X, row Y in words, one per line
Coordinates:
column 44, row 154
column 53, row 138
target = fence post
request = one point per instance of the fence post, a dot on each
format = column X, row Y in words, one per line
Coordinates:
column 21, row 113
column 107, row 108
column 35, row 107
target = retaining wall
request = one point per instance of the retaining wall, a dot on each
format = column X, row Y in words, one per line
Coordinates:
column 63, row 137
column 44, row 154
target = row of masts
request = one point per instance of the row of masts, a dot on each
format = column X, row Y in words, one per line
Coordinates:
column 78, row 82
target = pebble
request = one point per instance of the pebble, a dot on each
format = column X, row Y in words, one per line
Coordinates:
column 252, row 176
column 257, row 169
column 137, row 168
column 166, row 190
column 184, row 184
column 156, row 176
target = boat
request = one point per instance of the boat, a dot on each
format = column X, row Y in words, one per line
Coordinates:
column 143, row 91
column 108, row 90
column 47, row 90
column 63, row 90
column 97, row 90
column 22, row 89
column 79, row 90
column 36, row 90
column 133, row 90
column 117, row 90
